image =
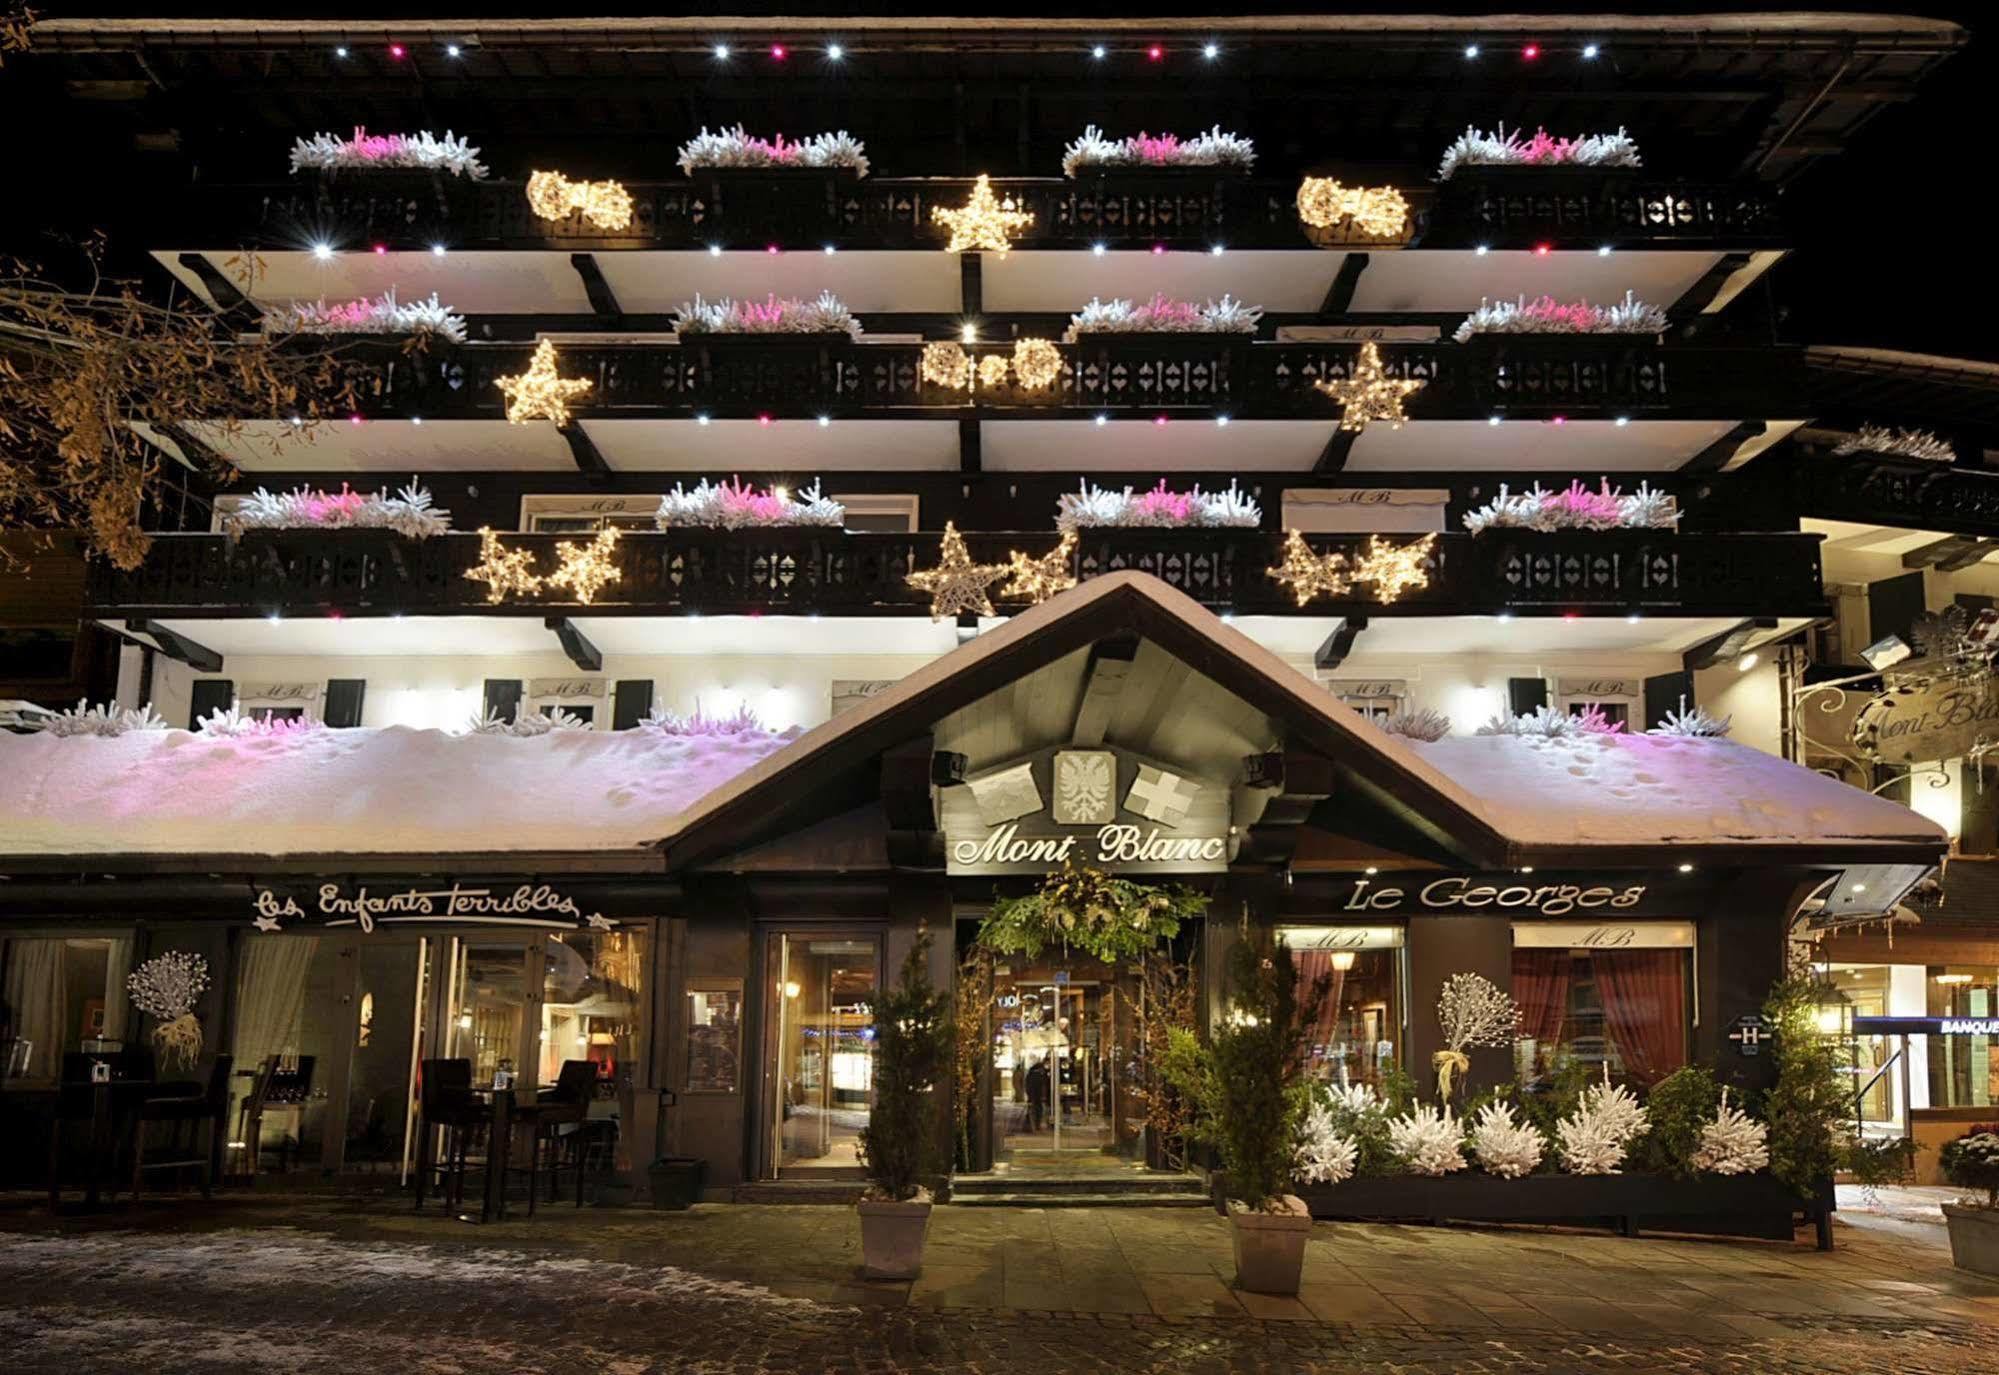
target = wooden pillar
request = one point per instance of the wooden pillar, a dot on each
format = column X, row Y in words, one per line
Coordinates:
column 1440, row 946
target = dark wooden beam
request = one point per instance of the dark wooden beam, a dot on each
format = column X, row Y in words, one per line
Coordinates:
column 1936, row 553
column 948, row 768
column 1340, row 294
column 1967, row 557
column 229, row 300
column 908, row 805
column 1697, row 298
column 198, row 657
column 1103, row 684
column 1718, row 455
column 602, row 299
column 971, row 283
column 1298, row 780
column 971, row 445
column 1339, row 448
column 589, row 461
column 581, row 652
column 1339, row 644
column 1727, row 645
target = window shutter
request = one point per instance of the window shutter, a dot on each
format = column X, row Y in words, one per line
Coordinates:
column 343, row 701
column 503, row 698
column 1523, row 695
column 631, row 702
column 209, row 695
column 1663, row 694
column 1893, row 605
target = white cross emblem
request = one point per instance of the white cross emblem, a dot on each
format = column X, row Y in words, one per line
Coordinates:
column 1160, row 796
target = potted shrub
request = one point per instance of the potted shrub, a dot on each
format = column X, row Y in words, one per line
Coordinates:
column 1972, row 1162
column 913, row 1039
column 1256, row 1067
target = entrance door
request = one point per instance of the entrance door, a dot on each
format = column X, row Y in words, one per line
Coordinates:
column 492, row 1005
column 819, row 1065
column 1055, row 1065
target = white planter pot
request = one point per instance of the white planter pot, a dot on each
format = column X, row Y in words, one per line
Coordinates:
column 892, row 1238
column 1974, row 1238
column 1270, row 1247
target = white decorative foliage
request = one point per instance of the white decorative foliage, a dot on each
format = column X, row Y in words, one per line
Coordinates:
column 1732, row 1143
column 1502, row 149
column 232, row 720
column 1879, row 439
column 105, row 720
column 527, row 724
column 1546, row 315
column 1423, row 723
column 1324, row 1155
column 773, row 315
column 1472, row 1011
column 1594, row 1138
column 1550, row 723
column 1428, row 1141
column 735, row 505
column 1163, row 315
column 738, row 147
column 1215, row 148
column 742, row 721
column 166, row 988
column 1695, row 721
column 1158, row 508
column 383, row 314
column 1504, row 1144
column 409, row 512
column 423, row 149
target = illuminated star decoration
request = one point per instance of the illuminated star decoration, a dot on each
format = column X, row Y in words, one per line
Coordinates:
column 265, row 923
column 538, row 393
column 1036, row 580
column 1391, row 569
column 605, row 204
column 599, row 922
column 956, row 583
column 1370, row 394
column 504, row 571
column 1379, row 211
column 586, row 568
column 984, row 221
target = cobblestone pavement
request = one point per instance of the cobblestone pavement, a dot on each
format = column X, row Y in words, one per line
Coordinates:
column 351, row 1286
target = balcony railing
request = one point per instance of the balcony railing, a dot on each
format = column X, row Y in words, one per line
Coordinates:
column 1120, row 375
column 832, row 572
column 1880, row 489
column 1500, row 207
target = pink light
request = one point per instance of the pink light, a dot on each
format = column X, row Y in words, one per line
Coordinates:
column 1155, row 53
column 1531, row 51
column 1159, row 420
column 1159, row 248
column 771, row 249
column 1542, row 250
column 397, row 51
column 1561, row 420
column 764, row 420
column 1571, row 616
column 353, row 419
column 777, row 52
column 334, row 616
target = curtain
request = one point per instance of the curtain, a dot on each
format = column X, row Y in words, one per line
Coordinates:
column 34, row 996
column 117, row 998
column 270, row 1001
column 1313, row 965
column 1645, row 1008
column 1541, row 986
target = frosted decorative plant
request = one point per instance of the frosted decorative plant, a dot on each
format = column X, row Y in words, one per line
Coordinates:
column 739, row 148
column 425, row 150
column 1502, row 149
column 1428, row 1140
column 233, row 721
column 1212, row 149
column 409, row 512
column 528, row 723
column 1504, row 1144
column 742, row 721
column 166, row 988
column 1163, row 314
column 106, row 720
column 1471, row 1011
column 1421, row 724
column 1092, row 505
column 735, row 505
column 1548, row 723
column 1879, row 439
column 1549, row 316
column 1575, row 507
column 1594, row 1138
column 1732, row 1143
column 772, row 315
column 1695, row 721
column 383, row 314
column 1325, row 1155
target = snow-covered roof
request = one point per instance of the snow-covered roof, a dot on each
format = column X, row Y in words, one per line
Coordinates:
column 371, row 791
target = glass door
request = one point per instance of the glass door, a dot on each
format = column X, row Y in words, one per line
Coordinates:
column 821, row 1058
column 493, row 1006
column 1055, row 1036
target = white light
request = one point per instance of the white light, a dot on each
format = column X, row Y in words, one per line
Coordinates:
column 1505, row 617
column 701, row 419
column 1373, row 869
column 1589, row 51
column 1622, row 421
column 1103, row 419
column 1492, row 420
column 296, row 420
column 1632, row 619
column 451, row 50
column 340, row 52
column 714, row 250
column 1221, row 420
column 969, row 334
column 1481, row 250
column 1217, row 250
column 830, row 250
column 1686, row 868
column 1859, row 887
column 834, row 52
column 721, row 52
column 437, row 250
column 824, row 421
column 1604, row 251
column 416, row 420
column 323, row 251
column 1471, row 50
column 1097, row 249
column 274, row 618
column 1212, row 51
column 1097, row 51
column 1745, row 663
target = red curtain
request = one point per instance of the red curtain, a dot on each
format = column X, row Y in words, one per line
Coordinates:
column 1645, row 1008
column 1541, row 987
column 1313, row 965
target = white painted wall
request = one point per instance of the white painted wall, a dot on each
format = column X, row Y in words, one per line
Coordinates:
column 1752, row 698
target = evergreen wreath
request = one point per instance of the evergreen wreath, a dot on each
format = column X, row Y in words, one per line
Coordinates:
column 1081, row 907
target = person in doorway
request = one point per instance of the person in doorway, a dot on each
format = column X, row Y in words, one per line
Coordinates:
column 1037, row 1093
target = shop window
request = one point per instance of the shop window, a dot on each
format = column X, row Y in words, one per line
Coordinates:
column 287, row 1019
column 1963, row 1069
column 714, row 1035
column 1605, row 996
column 61, row 994
column 594, row 1007
column 1357, row 1036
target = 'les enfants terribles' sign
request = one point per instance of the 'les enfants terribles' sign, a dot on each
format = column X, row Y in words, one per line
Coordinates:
column 529, row 904
column 1467, row 893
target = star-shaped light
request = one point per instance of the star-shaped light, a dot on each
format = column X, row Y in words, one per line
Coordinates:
column 503, row 570
column 586, row 568
column 599, row 922
column 1370, row 394
column 538, row 393
column 1392, row 569
column 265, row 923
column 1036, row 580
column 985, row 221
column 956, row 583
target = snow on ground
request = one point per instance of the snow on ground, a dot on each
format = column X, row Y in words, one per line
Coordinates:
column 364, row 791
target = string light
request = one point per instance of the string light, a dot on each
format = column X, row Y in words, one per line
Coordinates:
column 1036, row 580
column 503, row 571
column 587, row 568
column 957, row 584
column 947, row 364
column 605, row 204
column 993, row 370
column 1378, row 210
column 1370, row 393
column 1391, row 569
column 538, row 393
column 983, row 222
column 1036, row 363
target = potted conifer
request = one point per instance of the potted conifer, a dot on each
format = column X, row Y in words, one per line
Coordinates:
column 1257, row 1063
column 1972, row 1162
column 913, row 1038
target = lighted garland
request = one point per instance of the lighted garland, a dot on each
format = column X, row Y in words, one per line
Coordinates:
column 1080, row 907
column 605, row 204
column 1391, row 569
column 1377, row 210
column 1037, row 579
column 983, row 222
column 1036, row 364
column 504, row 571
column 540, row 393
column 957, row 584
column 1370, row 394
column 586, row 569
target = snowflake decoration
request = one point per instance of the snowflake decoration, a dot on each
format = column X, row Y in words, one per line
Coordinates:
column 957, row 584
column 1370, row 394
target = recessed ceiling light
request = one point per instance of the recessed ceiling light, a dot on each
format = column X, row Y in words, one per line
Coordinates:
column 451, row 50
column 1212, row 51
column 834, row 52
column 1589, row 51
column 721, row 52
column 340, row 52
column 1471, row 50
column 1098, row 51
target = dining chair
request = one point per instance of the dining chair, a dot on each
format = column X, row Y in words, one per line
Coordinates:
column 187, row 1114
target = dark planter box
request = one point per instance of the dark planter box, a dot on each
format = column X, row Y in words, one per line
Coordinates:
column 1756, row 1205
column 677, row 1182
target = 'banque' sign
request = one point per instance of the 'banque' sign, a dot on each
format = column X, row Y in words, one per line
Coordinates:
column 1944, row 718
column 527, row 904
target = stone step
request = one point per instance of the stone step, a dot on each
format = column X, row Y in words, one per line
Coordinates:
column 1181, row 1199
column 840, row 1191
column 1097, row 1182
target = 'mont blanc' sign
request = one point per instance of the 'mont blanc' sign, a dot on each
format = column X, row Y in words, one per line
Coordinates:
column 1109, row 847
column 336, row 904
column 1945, row 718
